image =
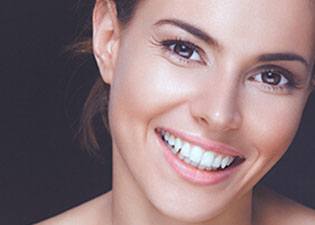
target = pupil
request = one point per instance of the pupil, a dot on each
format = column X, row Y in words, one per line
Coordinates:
column 183, row 50
column 271, row 78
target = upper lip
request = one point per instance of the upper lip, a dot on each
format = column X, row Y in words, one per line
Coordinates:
column 205, row 143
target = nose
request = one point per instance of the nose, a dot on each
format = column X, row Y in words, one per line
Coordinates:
column 218, row 108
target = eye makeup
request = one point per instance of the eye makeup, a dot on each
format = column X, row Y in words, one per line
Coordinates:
column 276, row 79
column 181, row 51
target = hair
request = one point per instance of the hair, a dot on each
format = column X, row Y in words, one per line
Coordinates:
column 94, row 112
column 94, row 115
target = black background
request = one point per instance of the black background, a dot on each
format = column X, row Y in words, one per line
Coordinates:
column 42, row 169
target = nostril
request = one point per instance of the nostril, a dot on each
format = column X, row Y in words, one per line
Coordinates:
column 219, row 121
column 222, row 113
column 203, row 120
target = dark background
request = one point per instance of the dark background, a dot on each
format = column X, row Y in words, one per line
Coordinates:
column 42, row 169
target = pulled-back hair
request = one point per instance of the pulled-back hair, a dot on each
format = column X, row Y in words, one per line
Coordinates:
column 95, row 107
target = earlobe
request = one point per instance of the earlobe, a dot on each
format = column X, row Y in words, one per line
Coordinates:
column 105, row 37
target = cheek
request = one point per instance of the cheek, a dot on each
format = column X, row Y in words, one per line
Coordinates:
column 145, row 87
column 273, row 122
column 134, row 94
column 139, row 92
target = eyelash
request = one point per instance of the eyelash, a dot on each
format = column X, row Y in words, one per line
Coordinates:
column 290, row 82
column 169, row 45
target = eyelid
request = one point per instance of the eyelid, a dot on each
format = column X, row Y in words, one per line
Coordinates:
column 174, row 40
column 283, row 71
column 260, row 79
column 168, row 43
column 291, row 85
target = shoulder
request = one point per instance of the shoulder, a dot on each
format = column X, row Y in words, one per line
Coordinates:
column 272, row 208
column 95, row 211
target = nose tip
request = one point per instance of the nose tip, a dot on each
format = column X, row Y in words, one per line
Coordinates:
column 221, row 114
column 222, row 120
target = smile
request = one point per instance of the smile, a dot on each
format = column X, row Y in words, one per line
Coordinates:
column 195, row 155
column 199, row 161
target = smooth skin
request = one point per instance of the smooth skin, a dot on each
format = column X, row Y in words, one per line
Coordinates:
column 199, row 67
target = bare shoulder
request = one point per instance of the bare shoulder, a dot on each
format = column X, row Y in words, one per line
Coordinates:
column 94, row 212
column 273, row 208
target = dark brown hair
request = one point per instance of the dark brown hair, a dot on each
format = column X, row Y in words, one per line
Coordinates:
column 95, row 107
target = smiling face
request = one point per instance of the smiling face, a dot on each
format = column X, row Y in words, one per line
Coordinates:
column 205, row 98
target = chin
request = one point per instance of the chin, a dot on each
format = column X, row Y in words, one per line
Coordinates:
column 190, row 211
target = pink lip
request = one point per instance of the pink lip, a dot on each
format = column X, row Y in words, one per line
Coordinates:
column 192, row 174
column 206, row 144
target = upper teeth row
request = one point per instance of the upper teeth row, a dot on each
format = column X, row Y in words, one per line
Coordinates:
column 195, row 155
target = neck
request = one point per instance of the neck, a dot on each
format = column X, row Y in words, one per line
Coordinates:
column 130, row 205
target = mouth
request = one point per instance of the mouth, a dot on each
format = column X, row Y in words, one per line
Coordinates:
column 195, row 158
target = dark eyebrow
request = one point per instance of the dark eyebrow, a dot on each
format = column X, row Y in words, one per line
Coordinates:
column 283, row 57
column 197, row 32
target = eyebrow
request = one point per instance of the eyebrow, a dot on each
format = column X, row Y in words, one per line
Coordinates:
column 195, row 31
column 282, row 57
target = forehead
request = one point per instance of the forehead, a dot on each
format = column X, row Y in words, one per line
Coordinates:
column 267, row 10
column 266, row 23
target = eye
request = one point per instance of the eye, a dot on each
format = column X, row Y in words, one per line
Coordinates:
column 183, row 49
column 271, row 77
column 277, row 79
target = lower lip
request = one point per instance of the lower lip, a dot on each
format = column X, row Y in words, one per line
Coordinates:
column 192, row 174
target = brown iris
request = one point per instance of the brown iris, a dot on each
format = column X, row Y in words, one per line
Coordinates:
column 270, row 77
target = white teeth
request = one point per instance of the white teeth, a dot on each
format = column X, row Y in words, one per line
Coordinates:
column 217, row 162
column 178, row 144
column 224, row 162
column 195, row 155
column 231, row 159
column 171, row 140
column 185, row 152
column 174, row 151
column 207, row 159
column 167, row 136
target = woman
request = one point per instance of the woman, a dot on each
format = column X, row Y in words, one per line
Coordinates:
column 205, row 97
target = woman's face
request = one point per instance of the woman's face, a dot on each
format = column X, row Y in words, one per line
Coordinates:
column 224, row 81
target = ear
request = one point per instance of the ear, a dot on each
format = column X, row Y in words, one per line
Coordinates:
column 105, row 37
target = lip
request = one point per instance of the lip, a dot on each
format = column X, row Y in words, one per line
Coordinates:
column 206, row 144
column 192, row 174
